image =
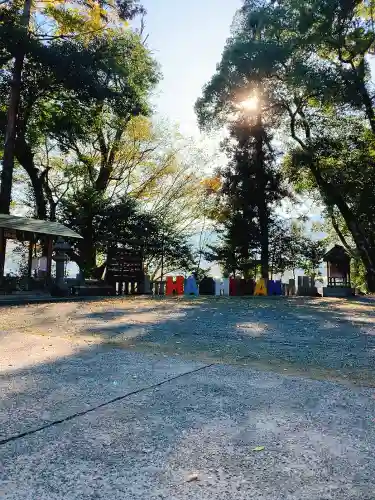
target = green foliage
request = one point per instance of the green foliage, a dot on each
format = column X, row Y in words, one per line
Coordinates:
column 358, row 275
column 128, row 9
column 346, row 156
column 104, row 64
column 103, row 223
column 230, row 260
column 285, row 246
column 294, row 56
column 311, row 256
column 93, row 158
column 58, row 109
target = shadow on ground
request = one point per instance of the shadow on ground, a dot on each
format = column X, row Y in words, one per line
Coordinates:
column 323, row 338
column 318, row 436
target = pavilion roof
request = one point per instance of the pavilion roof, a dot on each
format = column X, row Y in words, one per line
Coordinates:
column 36, row 226
column 336, row 253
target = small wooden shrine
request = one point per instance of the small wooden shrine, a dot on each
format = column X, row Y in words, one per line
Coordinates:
column 338, row 273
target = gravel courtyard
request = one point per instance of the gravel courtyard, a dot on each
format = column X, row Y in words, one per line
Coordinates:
column 209, row 398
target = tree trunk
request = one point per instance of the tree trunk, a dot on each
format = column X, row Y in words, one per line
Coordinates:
column 10, row 132
column 366, row 253
column 263, row 208
column 264, row 244
column 359, row 78
column 87, row 250
column 12, row 113
column 87, row 258
column 339, row 233
column 108, row 157
column 25, row 157
column 332, row 197
column 49, row 195
column 10, row 136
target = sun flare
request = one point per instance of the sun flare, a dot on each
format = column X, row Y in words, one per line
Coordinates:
column 249, row 104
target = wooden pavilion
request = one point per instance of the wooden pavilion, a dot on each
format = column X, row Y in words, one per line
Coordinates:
column 32, row 230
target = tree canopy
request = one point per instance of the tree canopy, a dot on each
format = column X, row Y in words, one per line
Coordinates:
column 293, row 92
column 87, row 151
column 309, row 67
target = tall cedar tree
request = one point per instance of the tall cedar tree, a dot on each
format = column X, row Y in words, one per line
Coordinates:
column 251, row 186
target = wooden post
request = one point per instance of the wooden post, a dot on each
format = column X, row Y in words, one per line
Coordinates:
column 2, row 254
column 49, row 259
column 30, row 257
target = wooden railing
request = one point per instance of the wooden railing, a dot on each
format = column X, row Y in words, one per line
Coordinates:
column 339, row 282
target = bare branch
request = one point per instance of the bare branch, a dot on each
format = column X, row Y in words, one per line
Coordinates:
column 339, row 232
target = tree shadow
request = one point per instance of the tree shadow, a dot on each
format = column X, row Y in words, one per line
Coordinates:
column 324, row 338
column 35, row 395
column 206, row 423
column 320, row 339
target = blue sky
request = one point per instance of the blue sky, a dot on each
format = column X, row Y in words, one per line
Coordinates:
column 187, row 38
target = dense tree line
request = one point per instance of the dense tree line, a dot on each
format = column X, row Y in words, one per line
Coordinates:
column 309, row 65
column 81, row 145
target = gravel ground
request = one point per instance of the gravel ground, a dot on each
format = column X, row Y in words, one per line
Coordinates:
column 323, row 338
column 187, row 428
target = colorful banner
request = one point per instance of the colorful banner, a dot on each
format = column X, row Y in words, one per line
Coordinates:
column 261, row 288
column 222, row 286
